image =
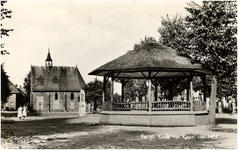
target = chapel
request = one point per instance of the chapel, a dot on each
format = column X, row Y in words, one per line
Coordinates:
column 55, row 88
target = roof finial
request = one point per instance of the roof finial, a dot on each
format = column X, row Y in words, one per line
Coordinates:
column 49, row 47
column 48, row 56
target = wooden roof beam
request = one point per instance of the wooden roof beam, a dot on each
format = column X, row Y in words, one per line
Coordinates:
column 155, row 74
column 143, row 74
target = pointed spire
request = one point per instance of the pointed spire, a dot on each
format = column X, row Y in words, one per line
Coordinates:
column 48, row 61
column 48, row 56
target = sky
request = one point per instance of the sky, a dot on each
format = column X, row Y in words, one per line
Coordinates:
column 83, row 33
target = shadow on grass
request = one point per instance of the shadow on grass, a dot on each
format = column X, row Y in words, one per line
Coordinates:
column 134, row 140
column 225, row 121
column 43, row 127
column 227, row 130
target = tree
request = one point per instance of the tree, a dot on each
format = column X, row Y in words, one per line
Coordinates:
column 5, row 89
column 213, row 40
column 5, row 13
column 27, row 87
column 146, row 43
column 179, row 34
column 135, row 88
column 94, row 90
column 210, row 33
column 116, row 97
column 173, row 34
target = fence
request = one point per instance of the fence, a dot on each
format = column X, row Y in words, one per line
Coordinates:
column 156, row 106
column 119, row 106
column 171, row 106
column 159, row 106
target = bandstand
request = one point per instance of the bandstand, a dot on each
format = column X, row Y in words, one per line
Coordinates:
column 152, row 63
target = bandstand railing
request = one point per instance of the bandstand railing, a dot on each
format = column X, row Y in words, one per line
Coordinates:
column 159, row 106
column 171, row 106
column 199, row 105
column 156, row 106
column 121, row 106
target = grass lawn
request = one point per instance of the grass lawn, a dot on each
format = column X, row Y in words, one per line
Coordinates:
column 61, row 133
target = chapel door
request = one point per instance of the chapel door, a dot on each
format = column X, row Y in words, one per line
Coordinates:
column 39, row 103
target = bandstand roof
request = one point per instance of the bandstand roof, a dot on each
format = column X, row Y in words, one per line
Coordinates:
column 161, row 61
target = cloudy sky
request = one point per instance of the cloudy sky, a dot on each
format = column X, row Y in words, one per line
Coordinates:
column 83, row 33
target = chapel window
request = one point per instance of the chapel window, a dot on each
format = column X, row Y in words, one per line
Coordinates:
column 56, row 96
column 72, row 96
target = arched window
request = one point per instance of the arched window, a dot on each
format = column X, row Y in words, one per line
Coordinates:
column 72, row 96
column 56, row 96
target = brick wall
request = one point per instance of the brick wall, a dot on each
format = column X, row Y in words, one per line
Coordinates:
column 202, row 119
column 63, row 103
column 153, row 120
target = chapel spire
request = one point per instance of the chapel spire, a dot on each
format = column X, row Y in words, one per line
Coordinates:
column 48, row 60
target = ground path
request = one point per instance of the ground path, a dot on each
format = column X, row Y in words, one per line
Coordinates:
column 69, row 131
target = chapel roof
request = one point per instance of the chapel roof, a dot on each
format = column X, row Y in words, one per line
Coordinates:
column 58, row 78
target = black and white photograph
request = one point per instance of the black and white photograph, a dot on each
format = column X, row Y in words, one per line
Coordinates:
column 118, row 74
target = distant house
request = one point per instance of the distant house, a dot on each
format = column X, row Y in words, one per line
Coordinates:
column 15, row 99
column 55, row 88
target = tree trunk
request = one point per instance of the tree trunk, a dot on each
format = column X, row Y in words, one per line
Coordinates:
column 156, row 91
column 171, row 94
column 95, row 106
column 212, row 108
column 220, row 107
column 233, row 106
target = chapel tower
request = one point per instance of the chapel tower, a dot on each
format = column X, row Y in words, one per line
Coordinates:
column 48, row 61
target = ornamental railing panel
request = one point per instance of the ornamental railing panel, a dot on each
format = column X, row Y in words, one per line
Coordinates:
column 171, row 106
column 159, row 106
column 121, row 106
column 199, row 105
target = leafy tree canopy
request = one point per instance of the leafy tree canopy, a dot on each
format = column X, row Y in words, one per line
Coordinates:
column 173, row 33
column 212, row 30
column 147, row 43
column 135, row 88
column 207, row 36
column 27, row 87
column 5, row 90
column 94, row 91
column 5, row 13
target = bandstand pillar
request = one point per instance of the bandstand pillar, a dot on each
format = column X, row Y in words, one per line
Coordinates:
column 103, row 93
column 204, row 87
column 122, row 89
column 191, row 93
column 112, row 91
column 149, row 94
column 105, row 104
column 188, row 91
